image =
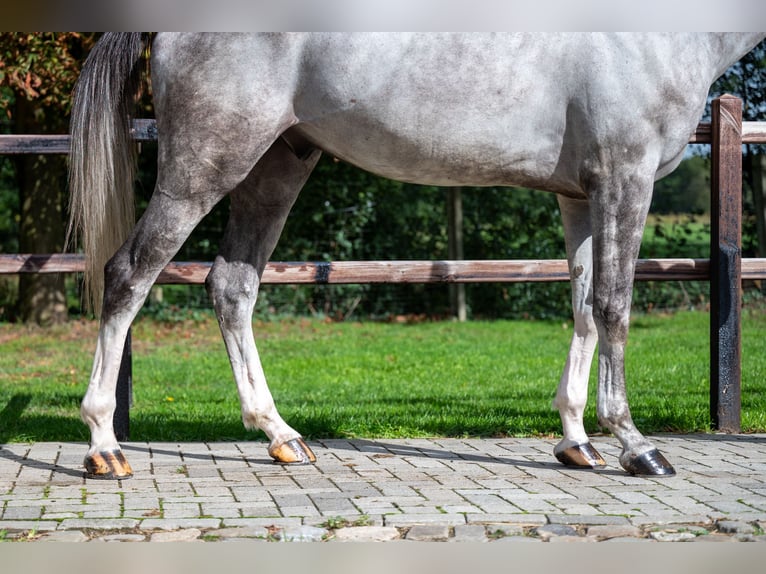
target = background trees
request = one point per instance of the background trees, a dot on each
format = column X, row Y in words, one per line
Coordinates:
column 37, row 73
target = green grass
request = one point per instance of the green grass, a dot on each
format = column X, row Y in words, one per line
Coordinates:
column 370, row 380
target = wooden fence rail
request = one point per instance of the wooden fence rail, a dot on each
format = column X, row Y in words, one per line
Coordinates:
column 726, row 133
column 418, row 271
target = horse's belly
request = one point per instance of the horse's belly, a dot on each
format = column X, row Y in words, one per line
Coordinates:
column 444, row 158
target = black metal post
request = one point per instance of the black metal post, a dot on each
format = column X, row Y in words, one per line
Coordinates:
column 124, row 393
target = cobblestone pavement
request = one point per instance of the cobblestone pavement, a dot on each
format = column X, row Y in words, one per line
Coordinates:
column 493, row 490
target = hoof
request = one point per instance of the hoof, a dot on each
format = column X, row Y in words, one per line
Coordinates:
column 294, row 451
column 651, row 463
column 108, row 465
column 581, row 456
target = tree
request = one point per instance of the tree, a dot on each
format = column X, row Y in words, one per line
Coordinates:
column 37, row 74
column 747, row 79
column 686, row 190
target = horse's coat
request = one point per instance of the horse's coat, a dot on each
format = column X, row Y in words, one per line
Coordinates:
column 595, row 118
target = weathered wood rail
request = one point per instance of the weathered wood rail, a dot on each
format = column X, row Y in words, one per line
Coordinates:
column 416, row 271
column 725, row 269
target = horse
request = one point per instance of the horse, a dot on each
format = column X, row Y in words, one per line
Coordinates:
column 593, row 118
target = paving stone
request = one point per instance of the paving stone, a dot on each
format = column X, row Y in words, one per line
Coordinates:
column 614, row 531
column 66, row 536
column 22, row 512
column 428, row 533
column 302, row 534
column 59, row 515
column 240, row 532
column 695, row 529
column 121, row 537
column 715, row 538
column 178, row 523
column 498, row 530
column 516, row 539
column 663, row 536
column 518, row 519
column 470, row 533
column 551, row 530
column 664, row 519
column 734, row 527
column 335, row 521
column 398, row 484
column 568, row 539
column 20, row 525
column 184, row 535
column 366, row 534
column 98, row 523
column 587, row 519
column 403, row 520
column 266, row 522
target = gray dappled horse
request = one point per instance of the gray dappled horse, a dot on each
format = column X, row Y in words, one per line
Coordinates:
column 594, row 118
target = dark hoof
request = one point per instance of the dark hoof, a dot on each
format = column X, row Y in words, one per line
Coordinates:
column 651, row 463
column 581, row 456
column 293, row 451
column 108, row 465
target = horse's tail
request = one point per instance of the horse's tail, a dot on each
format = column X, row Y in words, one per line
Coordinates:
column 102, row 155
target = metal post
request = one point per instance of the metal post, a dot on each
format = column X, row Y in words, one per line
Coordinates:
column 124, row 393
column 726, row 264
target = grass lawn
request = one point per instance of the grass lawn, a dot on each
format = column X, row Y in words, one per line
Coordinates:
column 367, row 379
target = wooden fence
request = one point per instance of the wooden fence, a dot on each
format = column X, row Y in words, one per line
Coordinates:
column 725, row 269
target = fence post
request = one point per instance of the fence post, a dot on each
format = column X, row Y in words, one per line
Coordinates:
column 124, row 393
column 726, row 264
column 455, row 249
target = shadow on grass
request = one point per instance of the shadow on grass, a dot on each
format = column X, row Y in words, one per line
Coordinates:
column 16, row 425
column 11, row 414
column 11, row 417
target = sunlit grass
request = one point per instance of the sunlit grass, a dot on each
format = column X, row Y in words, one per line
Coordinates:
column 368, row 379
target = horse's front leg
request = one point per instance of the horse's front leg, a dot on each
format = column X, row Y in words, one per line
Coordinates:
column 258, row 211
column 575, row 448
column 619, row 205
column 233, row 286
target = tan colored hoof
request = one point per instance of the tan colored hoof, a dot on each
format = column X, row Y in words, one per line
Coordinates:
column 581, row 456
column 294, row 451
column 108, row 465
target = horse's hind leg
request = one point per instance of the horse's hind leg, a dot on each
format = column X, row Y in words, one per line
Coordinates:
column 259, row 207
column 128, row 276
column 179, row 202
column 575, row 448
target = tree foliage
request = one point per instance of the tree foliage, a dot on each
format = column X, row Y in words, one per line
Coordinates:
column 37, row 74
column 41, row 68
